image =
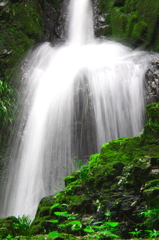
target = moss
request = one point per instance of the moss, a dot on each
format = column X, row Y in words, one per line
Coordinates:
column 74, row 188
column 134, row 22
column 148, row 13
column 151, row 129
column 133, row 19
column 152, row 183
column 130, row 6
column 69, row 179
column 139, row 31
column 21, row 27
column 155, row 45
column 105, row 6
column 38, row 226
column 112, row 181
column 7, row 226
column 25, row 16
column 119, row 22
column 152, row 197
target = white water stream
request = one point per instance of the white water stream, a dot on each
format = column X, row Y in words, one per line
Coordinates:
column 78, row 96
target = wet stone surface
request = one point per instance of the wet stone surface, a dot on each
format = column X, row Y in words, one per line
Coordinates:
column 152, row 81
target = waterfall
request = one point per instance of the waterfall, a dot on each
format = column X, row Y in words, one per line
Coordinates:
column 76, row 97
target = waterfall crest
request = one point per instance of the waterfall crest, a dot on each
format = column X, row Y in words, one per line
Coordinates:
column 77, row 97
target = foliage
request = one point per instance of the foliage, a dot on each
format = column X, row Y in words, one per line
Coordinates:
column 56, row 3
column 92, row 202
column 132, row 22
column 150, row 221
column 8, row 97
column 97, row 228
column 77, row 162
column 22, row 225
column 20, row 26
column 151, row 218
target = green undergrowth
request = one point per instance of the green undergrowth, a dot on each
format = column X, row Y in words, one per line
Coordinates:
column 20, row 27
column 134, row 22
column 114, row 196
column 95, row 193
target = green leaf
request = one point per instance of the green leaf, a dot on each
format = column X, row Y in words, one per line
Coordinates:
column 55, row 205
column 53, row 221
column 107, row 213
column 75, row 228
column 74, row 222
column 109, row 233
column 100, row 227
column 62, row 214
column 73, row 216
column 112, row 224
column 9, row 236
column 66, row 205
column 62, row 225
column 97, row 223
column 89, row 230
column 53, row 234
column 150, row 231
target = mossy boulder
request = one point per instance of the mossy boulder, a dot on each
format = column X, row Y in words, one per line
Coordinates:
column 7, row 227
column 132, row 21
column 21, row 26
column 117, row 184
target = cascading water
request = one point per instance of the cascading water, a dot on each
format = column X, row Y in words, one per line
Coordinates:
column 77, row 96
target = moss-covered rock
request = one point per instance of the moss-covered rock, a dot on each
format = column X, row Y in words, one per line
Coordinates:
column 7, row 227
column 118, row 183
column 20, row 27
column 133, row 21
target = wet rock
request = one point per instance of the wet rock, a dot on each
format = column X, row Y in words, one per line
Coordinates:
column 118, row 184
column 7, row 226
column 152, row 80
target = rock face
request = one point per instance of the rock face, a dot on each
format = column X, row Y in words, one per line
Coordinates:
column 152, row 79
column 134, row 22
column 24, row 23
column 117, row 185
column 8, row 227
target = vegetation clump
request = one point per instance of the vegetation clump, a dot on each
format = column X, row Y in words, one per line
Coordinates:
column 115, row 195
column 134, row 22
column 118, row 186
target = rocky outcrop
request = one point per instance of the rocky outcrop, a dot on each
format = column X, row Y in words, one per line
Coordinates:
column 118, row 185
column 134, row 22
column 24, row 23
column 152, row 82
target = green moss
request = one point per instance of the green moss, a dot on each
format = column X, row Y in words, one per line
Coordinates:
column 152, row 183
column 133, row 17
column 21, row 27
column 152, row 197
column 6, row 226
column 136, row 22
column 119, row 22
column 148, row 13
column 25, row 16
column 151, row 129
column 118, row 173
column 105, row 6
column 130, row 6
column 69, row 179
column 139, row 31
